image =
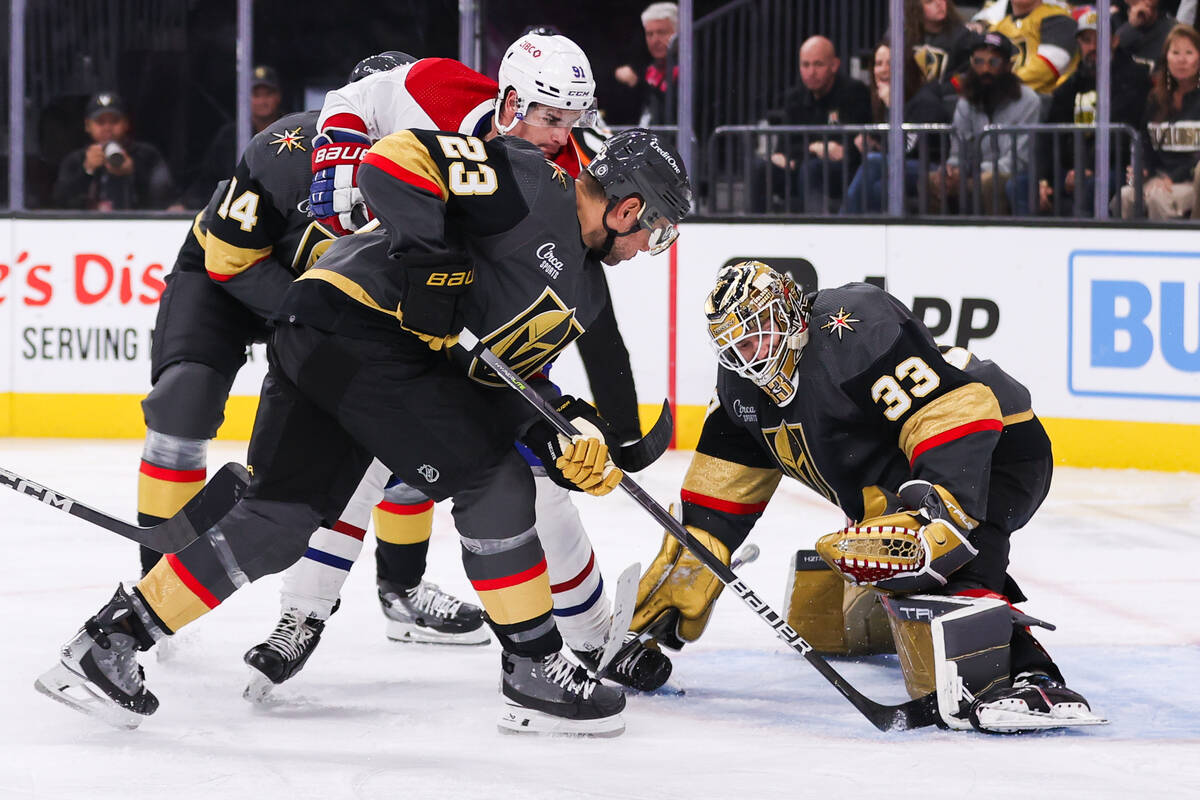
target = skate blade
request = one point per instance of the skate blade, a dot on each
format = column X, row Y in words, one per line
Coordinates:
column 408, row 633
column 258, row 688
column 66, row 686
column 1018, row 721
column 516, row 719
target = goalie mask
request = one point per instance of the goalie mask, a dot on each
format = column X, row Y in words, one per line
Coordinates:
column 553, row 71
column 758, row 326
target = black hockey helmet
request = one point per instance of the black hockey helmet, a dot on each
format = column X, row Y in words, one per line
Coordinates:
column 380, row 62
column 637, row 162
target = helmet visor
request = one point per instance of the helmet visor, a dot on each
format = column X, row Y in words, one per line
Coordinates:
column 663, row 232
column 541, row 115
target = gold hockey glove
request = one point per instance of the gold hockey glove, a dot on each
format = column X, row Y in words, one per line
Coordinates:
column 913, row 550
column 676, row 595
column 580, row 462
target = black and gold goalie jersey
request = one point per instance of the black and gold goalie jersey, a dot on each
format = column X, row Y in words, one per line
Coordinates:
column 256, row 231
column 496, row 213
column 877, row 403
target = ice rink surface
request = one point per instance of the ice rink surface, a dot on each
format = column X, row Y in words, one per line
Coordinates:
column 1112, row 559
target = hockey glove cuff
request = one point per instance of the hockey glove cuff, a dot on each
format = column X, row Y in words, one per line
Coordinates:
column 912, row 550
column 676, row 595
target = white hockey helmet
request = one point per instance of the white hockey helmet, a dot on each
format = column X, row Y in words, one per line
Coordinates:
column 551, row 70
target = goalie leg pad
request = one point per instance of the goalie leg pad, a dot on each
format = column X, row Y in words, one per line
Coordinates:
column 832, row 616
column 957, row 646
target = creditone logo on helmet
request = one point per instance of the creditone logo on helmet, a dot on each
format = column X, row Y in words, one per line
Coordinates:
column 757, row 326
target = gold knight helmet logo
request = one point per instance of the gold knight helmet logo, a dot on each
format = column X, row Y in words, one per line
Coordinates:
column 530, row 340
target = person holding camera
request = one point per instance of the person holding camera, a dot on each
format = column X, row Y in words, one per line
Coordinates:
column 114, row 172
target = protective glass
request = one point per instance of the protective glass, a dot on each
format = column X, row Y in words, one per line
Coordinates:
column 753, row 343
column 543, row 116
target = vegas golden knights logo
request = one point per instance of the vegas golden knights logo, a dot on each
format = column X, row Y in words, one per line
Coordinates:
column 530, row 340
column 787, row 444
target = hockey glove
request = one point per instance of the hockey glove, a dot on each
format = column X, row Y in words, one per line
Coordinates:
column 333, row 197
column 912, row 550
column 435, row 282
column 676, row 595
column 580, row 463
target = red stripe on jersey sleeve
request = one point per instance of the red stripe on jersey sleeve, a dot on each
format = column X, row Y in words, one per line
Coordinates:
column 1049, row 64
column 401, row 174
column 954, row 434
column 510, row 580
column 349, row 122
column 446, row 90
column 717, row 504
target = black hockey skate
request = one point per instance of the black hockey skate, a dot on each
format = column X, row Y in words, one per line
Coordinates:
column 283, row 654
column 1035, row 701
column 637, row 665
column 551, row 695
column 425, row 613
column 98, row 673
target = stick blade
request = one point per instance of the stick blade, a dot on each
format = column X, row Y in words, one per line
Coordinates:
column 636, row 456
column 210, row 504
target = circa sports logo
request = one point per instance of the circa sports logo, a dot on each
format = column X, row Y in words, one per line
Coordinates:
column 748, row 413
column 551, row 264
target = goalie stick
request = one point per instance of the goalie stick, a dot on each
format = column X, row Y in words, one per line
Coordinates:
column 917, row 713
column 169, row 536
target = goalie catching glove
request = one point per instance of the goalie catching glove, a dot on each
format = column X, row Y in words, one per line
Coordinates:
column 334, row 197
column 580, row 463
column 911, row 550
column 676, row 595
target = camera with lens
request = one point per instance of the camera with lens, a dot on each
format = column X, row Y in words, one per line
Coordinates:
column 115, row 154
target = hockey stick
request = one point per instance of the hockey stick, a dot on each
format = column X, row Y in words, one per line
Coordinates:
column 913, row 714
column 169, row 536
column 636, row 456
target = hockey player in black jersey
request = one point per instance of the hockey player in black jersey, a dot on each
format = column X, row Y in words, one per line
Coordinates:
column 935, row 456
column 484, row 236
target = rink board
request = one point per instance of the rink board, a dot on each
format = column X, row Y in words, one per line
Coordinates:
column 1103, row 325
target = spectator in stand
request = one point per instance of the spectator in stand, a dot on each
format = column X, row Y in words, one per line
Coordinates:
column 805, row 165
column 922, row 104
column 115, row 172
column 1172, row 137
column 1146, row 31
column 1075, row 102
column 266, row 106
column 660, row 21
column 992, row 95
column 1044, row 37
column 938, row 36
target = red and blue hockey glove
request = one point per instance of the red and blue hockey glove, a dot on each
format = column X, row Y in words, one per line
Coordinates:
column 333, row 197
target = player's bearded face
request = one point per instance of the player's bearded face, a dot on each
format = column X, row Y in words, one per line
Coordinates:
column 626, row 247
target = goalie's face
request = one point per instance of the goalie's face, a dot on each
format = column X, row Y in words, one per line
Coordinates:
column 752, row 341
